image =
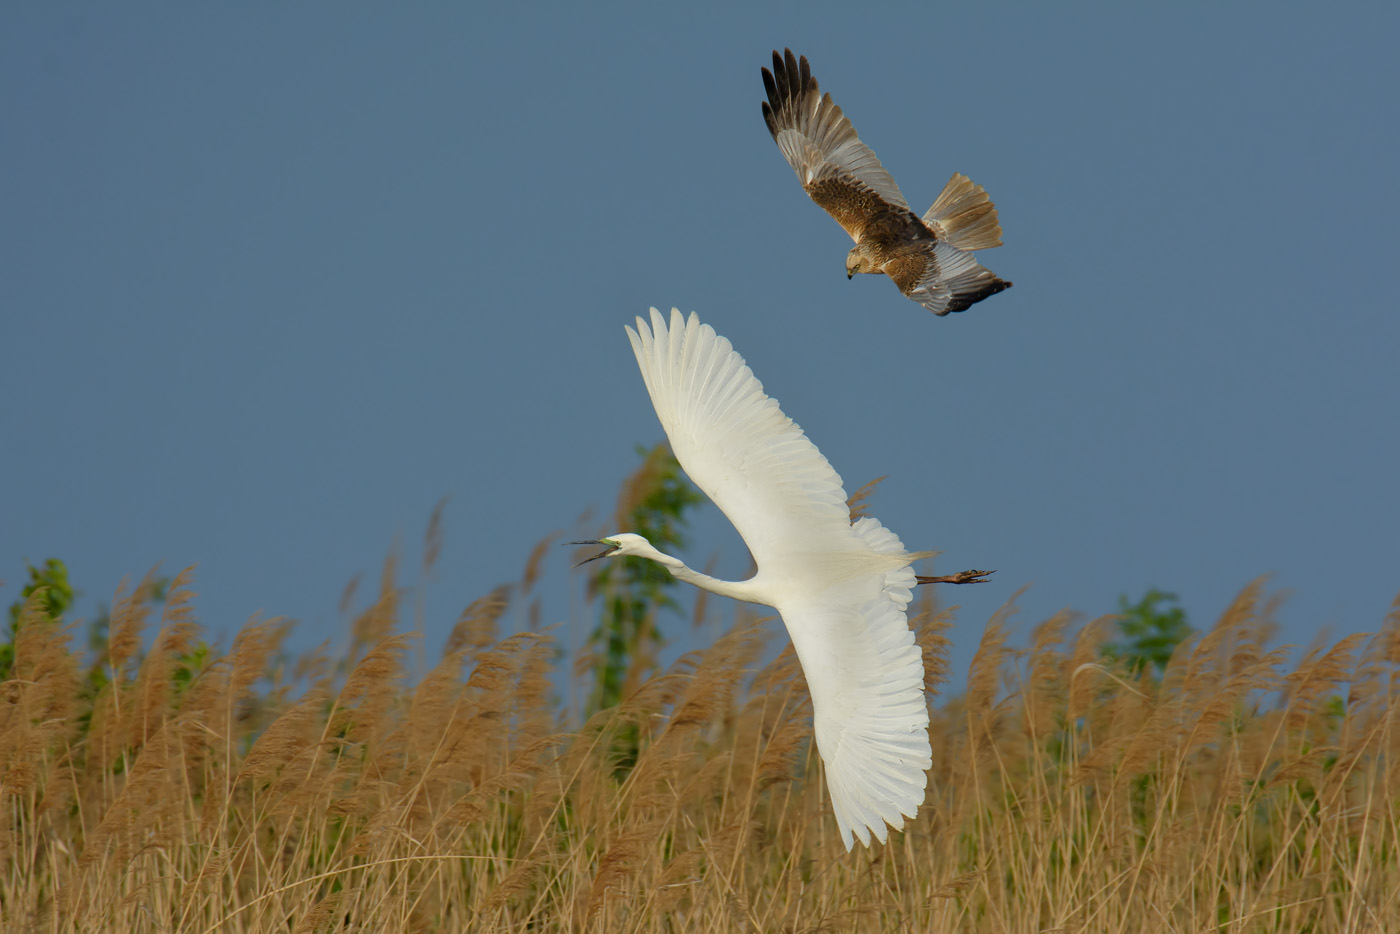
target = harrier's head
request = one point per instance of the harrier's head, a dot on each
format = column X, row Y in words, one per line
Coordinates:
column 858, row 261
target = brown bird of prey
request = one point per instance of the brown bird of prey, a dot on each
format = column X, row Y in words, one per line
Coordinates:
column 926, row 257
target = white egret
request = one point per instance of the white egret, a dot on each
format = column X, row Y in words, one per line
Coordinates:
column 840, row 587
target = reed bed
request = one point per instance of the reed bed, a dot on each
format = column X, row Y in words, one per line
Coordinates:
column 247, row 791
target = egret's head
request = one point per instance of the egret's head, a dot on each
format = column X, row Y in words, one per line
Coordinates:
column 857, row 261
column 623, row 543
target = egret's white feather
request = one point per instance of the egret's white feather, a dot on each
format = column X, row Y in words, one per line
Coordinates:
column 841, row 589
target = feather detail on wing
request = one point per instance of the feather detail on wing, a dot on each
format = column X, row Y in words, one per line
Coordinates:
column 943, row 278
column 841, row 173
column 734, row 442
column 865, row 674
column 964, row 215
column 899, row 583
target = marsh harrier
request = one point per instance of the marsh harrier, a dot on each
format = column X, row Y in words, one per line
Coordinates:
column 927, row 257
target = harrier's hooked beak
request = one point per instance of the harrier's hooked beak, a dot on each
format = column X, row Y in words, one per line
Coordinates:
column 850, row 275
column 611, row 546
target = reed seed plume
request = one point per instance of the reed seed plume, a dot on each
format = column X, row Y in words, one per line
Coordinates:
column 477, row 626
column 433, row 535
column 536, row 561
column 859, row 501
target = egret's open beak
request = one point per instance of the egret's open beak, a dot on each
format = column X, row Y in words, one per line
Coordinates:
column 612, row 547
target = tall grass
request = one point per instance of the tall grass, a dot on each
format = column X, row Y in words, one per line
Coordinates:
column 249, row 792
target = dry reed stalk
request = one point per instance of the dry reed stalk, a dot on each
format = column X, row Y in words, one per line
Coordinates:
column 1315, row 676
column 1212, row 656
column 1390, row 630
column 1046, row 688
column 130, row 610
column 37, row 704
column 377, row 622
column 476, row 627
column 148, row 810
column 433, row 714
column 930, row 627
column 981, row 711
column 1094, row 802
column 859, row 501
column 783, row 740
column 322, row 916
column 536, row 561
column 294, row 731
column 153, row 688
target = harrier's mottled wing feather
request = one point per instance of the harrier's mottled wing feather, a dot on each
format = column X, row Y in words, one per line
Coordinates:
column 841, row 173
column 862, row 213
column 943, row 278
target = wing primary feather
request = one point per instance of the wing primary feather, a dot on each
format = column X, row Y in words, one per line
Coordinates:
column 795, row 86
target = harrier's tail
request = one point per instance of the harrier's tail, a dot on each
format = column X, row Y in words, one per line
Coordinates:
column 964, row 216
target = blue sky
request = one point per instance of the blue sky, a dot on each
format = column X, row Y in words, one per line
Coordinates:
column 276, row 281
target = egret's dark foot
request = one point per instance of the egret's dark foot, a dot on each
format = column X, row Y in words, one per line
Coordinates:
column 962, row 577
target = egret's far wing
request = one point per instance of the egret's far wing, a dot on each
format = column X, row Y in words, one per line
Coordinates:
column 736, row 444
column 836, row 169
column 866, row 677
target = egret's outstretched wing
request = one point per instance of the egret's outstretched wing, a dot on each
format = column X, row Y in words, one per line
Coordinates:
column 736, row 444
column 836, row 169
column 866, row 677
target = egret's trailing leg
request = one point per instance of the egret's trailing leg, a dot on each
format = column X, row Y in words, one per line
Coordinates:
column 962, row 577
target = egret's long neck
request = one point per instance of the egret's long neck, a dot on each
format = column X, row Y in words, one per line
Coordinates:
column 739, row 590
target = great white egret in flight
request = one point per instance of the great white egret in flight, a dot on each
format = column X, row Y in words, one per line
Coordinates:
column 840, row 587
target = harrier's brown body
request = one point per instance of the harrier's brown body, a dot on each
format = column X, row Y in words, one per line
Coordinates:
column 928, row 257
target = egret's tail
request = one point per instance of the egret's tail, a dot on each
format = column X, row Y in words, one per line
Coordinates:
column 964, row 215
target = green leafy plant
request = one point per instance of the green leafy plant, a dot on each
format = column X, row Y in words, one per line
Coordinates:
column 654, row 503
column 1151, row 630
column 52, row 578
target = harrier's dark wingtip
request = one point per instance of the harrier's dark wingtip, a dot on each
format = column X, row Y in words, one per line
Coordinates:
column 791, row 73
column 965, row 300
column 790, row 79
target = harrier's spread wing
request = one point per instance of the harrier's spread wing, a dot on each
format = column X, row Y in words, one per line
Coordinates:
column 840, row 172
column 943, row 278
